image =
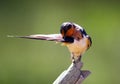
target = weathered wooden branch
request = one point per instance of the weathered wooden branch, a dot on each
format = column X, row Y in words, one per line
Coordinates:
column 73, row 75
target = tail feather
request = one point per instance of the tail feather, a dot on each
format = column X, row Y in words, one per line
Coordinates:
column 49, row 37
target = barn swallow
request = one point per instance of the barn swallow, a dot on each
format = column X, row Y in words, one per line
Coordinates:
column 71, row 35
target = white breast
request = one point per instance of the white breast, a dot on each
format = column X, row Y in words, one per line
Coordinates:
column 78, row 47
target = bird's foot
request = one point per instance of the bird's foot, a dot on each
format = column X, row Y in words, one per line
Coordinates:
column 76, row 60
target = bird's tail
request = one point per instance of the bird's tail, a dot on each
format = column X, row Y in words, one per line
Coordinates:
column 49, row 37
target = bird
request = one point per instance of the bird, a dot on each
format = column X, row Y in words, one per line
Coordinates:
column 71, row 35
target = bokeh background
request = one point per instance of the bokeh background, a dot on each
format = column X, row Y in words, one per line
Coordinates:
column 39, row 62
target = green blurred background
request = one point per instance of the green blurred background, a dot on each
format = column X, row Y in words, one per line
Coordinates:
column 39, row 62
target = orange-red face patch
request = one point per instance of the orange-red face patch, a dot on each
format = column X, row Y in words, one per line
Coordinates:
column 70, row 32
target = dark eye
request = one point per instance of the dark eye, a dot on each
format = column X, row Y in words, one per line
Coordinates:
column 68, row 26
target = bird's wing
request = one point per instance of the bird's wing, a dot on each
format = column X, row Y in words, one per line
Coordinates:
column 48, row 37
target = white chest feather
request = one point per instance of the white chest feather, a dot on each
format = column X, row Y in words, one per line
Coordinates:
column 78, row 47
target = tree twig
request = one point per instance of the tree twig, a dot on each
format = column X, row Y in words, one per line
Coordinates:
column 73, row 75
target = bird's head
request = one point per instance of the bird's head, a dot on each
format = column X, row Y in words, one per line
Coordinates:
column 67, row 31
column 71, row 31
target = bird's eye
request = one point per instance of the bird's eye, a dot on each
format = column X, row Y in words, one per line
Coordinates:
column 68, row 26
